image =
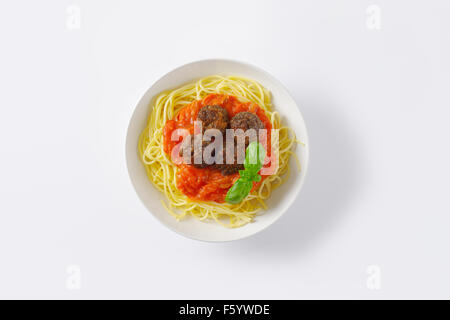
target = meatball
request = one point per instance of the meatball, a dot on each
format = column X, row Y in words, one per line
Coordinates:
column 216, row 117
column 246, row 121
column 213, row 117
column 228, row 169
column 194, row 150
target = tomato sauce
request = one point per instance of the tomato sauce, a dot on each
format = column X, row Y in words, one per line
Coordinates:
column 208, row 184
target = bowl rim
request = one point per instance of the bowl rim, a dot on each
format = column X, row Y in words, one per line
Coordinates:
column 305, row 138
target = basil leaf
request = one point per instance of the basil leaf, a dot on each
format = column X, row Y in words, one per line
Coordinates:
column 249, row 175
column 254, row 160
column 239, row 190
column 254, row 157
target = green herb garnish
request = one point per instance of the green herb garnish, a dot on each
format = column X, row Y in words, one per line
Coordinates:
column 254, row 160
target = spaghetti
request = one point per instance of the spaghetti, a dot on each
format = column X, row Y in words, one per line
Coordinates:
column 171, row 108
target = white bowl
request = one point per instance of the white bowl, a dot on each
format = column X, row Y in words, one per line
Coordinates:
column 280, row 199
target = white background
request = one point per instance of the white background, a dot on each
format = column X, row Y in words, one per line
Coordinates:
column 376, row 103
